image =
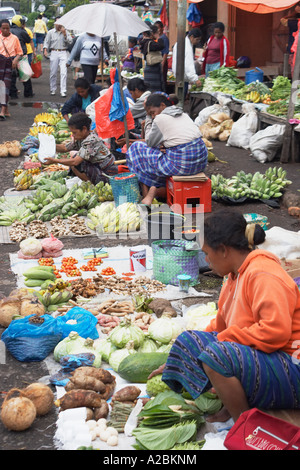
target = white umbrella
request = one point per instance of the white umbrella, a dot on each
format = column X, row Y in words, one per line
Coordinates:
column 103, row 19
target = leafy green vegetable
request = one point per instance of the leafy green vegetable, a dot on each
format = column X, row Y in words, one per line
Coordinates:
column 208, row 405
column 197, row 445
column 164, row 439
column 281, row 88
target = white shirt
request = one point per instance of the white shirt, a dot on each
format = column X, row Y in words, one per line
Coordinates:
column 189, row 67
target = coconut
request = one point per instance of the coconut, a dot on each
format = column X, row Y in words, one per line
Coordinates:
column 3, row 151
column 31, row 306
column 9, row 307
column 18, row 413
column 41, row 396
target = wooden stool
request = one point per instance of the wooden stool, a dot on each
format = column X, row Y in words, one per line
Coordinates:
column 192, row 193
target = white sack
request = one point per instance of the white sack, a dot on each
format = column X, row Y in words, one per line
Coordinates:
column 265, row 143
column 244, row 128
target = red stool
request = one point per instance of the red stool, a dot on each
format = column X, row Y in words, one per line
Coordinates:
column 192, row 193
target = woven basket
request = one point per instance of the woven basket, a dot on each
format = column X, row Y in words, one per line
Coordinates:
column 126, row 189
column 171, row 258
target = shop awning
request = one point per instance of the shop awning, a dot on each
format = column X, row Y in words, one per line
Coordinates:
column 267, row 6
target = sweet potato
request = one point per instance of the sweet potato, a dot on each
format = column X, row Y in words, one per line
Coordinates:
column 109, row 390
column 79, row 398
column 87, row 382
column 101, row 374
column 102, row 411
column 129, row 393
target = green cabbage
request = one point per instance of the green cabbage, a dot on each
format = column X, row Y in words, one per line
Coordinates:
column 125, row 332
column 75, row 344
column 105, row 347
column 164, row 330
column 149, row 345
column 117, row 356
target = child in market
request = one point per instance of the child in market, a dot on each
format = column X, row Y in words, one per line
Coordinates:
column 90, row 159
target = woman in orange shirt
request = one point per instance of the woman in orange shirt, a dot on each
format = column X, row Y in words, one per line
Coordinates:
column 10, row 53
column 249, row 352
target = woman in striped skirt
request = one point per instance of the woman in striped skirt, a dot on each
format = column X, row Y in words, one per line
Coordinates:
column 250, row 351
column 173, row 146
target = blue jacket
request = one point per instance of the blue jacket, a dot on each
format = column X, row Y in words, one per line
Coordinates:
column 74, row 103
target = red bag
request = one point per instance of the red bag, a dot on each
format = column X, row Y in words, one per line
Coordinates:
column 36, row 67
column 256, row 430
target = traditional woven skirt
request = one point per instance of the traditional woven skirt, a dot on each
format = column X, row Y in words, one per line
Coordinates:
column 270, row 381
column 95, row 173
column 153, row 77
column 5, row 75
column 152, row 166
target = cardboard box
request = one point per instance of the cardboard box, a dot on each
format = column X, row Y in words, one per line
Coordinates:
column 291, row 266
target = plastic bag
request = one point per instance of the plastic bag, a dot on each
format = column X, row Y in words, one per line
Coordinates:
column 36, row 66
column 265, row 143
column 104, row 126
column 2, row 92
column 69, row 363
column 220, row 107
column 30, row 342
column 25, row 71
column 244, row 128
column 85, row 323
column 47, row 148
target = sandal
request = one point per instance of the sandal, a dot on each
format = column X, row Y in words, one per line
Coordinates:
column 2, row 117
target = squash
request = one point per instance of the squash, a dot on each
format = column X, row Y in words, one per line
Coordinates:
column 137, row 367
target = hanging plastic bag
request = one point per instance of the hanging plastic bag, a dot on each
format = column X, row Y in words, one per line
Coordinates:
column 36, row 66
column 25, row 71
column 31, row 338
column 244, row 128
column 109, row 115
column 80, row 320
column 47, row 148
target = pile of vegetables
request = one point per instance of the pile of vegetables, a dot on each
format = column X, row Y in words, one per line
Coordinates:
column 224, row 80
column 218, row 127
column 169, row 420
column 253, row 186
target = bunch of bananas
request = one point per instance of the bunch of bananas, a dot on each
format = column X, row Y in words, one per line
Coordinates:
column 254, row 186
column 52, row 301
column 101, row 189
column 32, row 171
column 253, row 96
column 23, row 181
column 48, row 118
column 111, row 219
column 37, row 201
column 35, row 130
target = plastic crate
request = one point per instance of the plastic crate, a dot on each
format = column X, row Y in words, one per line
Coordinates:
column 191, row 196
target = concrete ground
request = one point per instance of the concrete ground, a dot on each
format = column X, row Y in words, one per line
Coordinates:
column 23, row 110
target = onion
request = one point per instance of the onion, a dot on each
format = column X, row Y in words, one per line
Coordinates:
column 41, row 396
column 17, row 414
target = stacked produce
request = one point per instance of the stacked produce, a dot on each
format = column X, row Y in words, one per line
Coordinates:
column 256, row 92
column 19, row 303
column 111, row 219
column 218, row 126
column 10, row 149
column 21, row 407
column 224, row 80
column 254, row 186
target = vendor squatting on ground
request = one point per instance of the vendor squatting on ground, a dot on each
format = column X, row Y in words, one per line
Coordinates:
column 248, row 353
